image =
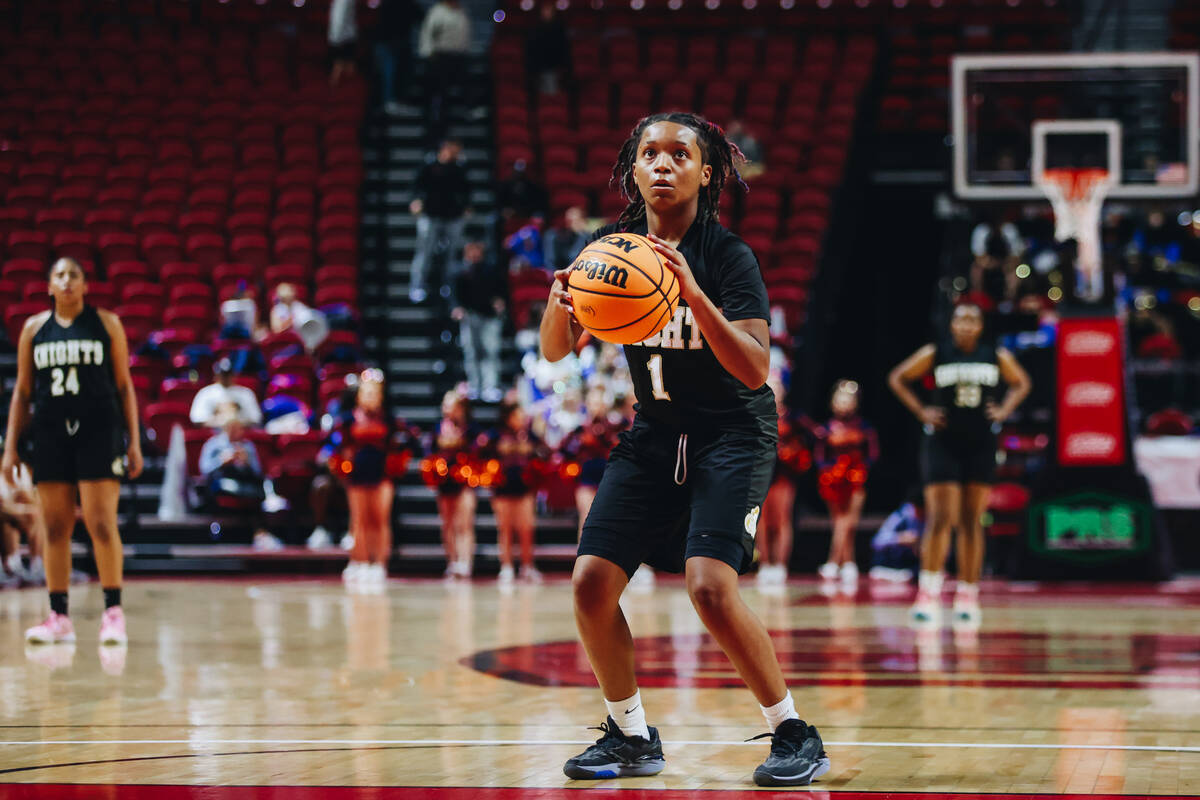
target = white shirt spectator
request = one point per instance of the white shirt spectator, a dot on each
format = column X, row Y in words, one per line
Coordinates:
column 343, row 25
column 446, row 29
column 983, row 230
column 212, row 398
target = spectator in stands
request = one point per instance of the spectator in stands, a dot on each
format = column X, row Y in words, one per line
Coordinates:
column 289, row 314
column 480, row 295
column 443, row 43
column 751, row 148
column 239, row 314
column 393, row 47
column 233, row 474
column 547, row 50
column 520, row 197
column 441, row 201
column 221, row 393
column 563, row 242
column 525, row 248
column 996, row 246
column 343, row 39
column 19, row 513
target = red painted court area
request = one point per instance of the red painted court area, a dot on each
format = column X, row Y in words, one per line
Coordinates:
column 130, row 792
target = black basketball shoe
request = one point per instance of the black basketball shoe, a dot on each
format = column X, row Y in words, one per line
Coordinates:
column 797, row 756
column 615, row 755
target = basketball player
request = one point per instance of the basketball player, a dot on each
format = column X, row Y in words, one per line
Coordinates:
column 958, row 452
column 73, row 364
column 683, row 489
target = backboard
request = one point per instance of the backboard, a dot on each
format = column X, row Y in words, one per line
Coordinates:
column 1136, row 115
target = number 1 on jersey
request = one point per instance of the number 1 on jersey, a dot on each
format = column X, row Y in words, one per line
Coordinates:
column 656, row 377
column 60, row 386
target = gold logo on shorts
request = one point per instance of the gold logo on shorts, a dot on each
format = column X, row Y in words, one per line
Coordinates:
column 118, row 466
column 752, row 520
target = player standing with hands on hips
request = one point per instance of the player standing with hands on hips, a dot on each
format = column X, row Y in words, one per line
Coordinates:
column 683, row 489
column 73, row 365
column 958, row 451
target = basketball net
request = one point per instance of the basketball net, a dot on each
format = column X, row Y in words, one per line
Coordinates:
column 1077, row 196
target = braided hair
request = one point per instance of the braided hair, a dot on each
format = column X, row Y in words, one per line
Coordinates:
column 715, row 149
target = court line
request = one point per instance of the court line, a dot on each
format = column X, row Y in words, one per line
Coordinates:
column 544, row 742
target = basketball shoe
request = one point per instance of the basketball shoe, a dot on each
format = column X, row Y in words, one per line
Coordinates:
column 615, row 755
column 112, row 626
column 56, row 628
column 797, row 756
column 926, row 608
column 966, row 606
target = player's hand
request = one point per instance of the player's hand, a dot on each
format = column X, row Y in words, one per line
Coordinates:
column 933, row 416
column 416, row 207
column 688, row 288
column 134, row 456
column 559, row 295
column 995, row 413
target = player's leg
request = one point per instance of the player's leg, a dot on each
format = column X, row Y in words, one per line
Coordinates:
column 98, row 500
column 970, row 541
column 782, row 507
column 943, row 501
column 584, row 495
column 849, row 521
column 387, row 497
column 58, row 510
column 503, row 508
column 525, row 521
column 355, row 570
column 830, row 569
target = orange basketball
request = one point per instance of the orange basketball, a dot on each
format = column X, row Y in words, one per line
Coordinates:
column 621, row 290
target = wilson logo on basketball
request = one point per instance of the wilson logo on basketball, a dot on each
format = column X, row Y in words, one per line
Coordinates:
column 1091, row 445
column 620, row 242
column 1090, row 394
column 610, row 274
column 1089, row 343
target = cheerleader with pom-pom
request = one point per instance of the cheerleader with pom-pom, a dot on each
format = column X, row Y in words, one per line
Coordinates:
column 845, row 452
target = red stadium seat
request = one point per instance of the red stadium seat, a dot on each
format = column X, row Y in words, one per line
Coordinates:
column 74, row 245
column 161, row 248
column 227, row 273
column 189, row 292
column 295, row 249
column 162, row 417
column 177, row 271
column 189, row 316
column 338, row 293
column 206, row 249
column 16, row 314
column 102, row 221
column 28, row 244
column 56, row 220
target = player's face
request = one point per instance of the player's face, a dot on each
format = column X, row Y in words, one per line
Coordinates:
column 370, row 395
column 844, row 402
column 966, row 326
column 669, row 166
column 67, row 283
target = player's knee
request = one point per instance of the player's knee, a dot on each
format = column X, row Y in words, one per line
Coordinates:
column 58, row 533
column 709, row 596
column 101, row 531
column 592, row 592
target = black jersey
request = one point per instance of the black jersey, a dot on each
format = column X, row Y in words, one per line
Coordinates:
column 964, row 384
column 677, row 379
column 73, row 372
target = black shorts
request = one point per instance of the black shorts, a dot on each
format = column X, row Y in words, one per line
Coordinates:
column 958, row 462
column 641, row 514
column 70, row 451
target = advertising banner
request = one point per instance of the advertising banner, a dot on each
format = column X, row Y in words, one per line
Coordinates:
column 1091, row 395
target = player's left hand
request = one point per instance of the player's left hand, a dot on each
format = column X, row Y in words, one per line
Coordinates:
column 688, row 288
column 134, row 458
column 996, row 413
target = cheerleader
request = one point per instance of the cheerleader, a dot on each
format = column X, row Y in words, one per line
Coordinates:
column 845, row 452
column 372, row 450
column 589, row 445
column 454, row 444
column 775, row 523
column 518, row 451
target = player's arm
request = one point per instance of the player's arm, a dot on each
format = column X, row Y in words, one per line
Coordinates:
column 559, row 330
column 742, row 346
column 124, row 383
column 1019, row 385
column 918, row 365
column 18, row 409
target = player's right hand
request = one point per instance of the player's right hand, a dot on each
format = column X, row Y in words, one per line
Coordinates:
column 934, row 417
column 8, row 464
column 558, row 292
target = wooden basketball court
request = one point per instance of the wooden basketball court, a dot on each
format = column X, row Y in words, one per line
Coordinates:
column 257, row 688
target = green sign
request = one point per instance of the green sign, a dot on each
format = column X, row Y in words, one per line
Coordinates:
column 1089, row 527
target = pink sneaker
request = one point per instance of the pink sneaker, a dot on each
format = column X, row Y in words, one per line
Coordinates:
column 112, row 626
column 56, row 628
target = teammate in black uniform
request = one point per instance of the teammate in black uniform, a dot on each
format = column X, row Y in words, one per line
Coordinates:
column 958, row 453
column 73, row 364
column 683, row 489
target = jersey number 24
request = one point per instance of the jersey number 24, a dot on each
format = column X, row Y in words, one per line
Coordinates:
column 61, row 384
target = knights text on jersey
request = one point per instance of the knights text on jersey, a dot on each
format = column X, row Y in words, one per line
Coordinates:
column 676, row 377
column 964, row 385
column 73, row 373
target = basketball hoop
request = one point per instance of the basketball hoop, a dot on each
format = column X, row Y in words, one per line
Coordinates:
column 1077, row 196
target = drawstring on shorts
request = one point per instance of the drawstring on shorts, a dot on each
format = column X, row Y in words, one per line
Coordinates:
column 681, row 460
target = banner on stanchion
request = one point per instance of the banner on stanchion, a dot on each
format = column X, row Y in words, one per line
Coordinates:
column 1091, row 395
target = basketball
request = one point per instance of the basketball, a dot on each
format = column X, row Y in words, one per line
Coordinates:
column 621, row 290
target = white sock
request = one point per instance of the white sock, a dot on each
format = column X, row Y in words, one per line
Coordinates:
column 629, row 715
column 931, row 582
column 14, row 562
column 968, row 590
column 785, row 709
